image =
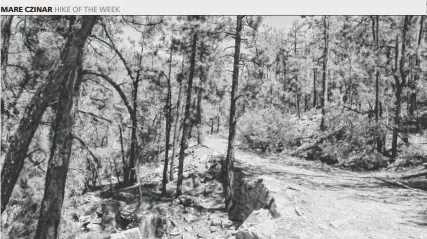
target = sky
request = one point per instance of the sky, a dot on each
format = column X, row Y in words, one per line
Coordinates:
column 280, row 22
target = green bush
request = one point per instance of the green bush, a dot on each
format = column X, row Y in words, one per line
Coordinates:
column 265, row 129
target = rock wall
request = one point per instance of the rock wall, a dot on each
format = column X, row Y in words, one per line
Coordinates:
column 250, row 195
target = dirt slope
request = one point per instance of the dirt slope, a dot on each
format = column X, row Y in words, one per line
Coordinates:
column 334, row 203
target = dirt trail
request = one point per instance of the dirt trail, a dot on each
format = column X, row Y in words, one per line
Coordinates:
column 333, row 203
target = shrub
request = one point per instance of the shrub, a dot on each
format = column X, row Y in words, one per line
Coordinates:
column 265, row 129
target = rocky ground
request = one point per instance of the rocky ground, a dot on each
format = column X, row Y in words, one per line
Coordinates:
column 312, row 202
column 334, row 203
column 199, row 213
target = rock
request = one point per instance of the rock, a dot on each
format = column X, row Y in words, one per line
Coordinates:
column 94, row 227
column 246, row 234
column 213, row 229
column 375, row 161
column 257, row 217
column 175, row 202
column 133, row 233
column 314, row 153
column 151, row 225
column 124, row 196
column 207, row 192
column 226, row 223
column 258, row 225
column 162, row 210
column 328, row 159
column 110, row 212
column 203, row 232
column 175, row 232
column 189, row 218
column 186, row 200
column 216, row 222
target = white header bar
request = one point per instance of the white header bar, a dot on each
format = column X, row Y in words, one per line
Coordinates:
column 214, row 7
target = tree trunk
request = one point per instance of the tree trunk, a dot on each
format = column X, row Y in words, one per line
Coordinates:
column 329, row 86
column 325, row 67
column 350, row 87
column 5, row 41
column 186, row 125
column 57, row 77
column 125, row 172
column 396, row 122
column 133, row 164
column 314, row 88
column 400, row 83
column 217, row 124
column 199, row 99
column 227, row 168
column 5, row 33
column 297, row 102
column 212, row 124
column 175, row 131
column 56, row 176
column 168, row 124
column 414, row 106
column 305, row 102
column 380, row 137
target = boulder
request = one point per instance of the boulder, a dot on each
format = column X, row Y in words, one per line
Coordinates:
column 133, row 233
column 189, row 218
column 374, row 161
column 259, row 225
column 186, row 200
column 328, row 159
column 203, row 232
column 110, row 213
column 151, row 225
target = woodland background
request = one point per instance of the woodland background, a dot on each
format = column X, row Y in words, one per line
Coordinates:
column 93, row 101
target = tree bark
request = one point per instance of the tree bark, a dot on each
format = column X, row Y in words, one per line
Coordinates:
column 380, row 138
column 6, row 33
column 396, row 123
column 176, row 128
column 297, row 101
column 325, row 67
column 400, row 83
column 186, row 125
column 56, row 176
column 217, row 125
column 57, row 77
column 168, row 123
column 413, row 98
column 125, row 172
column 133, row 164
column 227, row 168
column 199, row 99
column 314, row 88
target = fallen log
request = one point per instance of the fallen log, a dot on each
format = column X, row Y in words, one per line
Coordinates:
column 392, row 182
column 408, row 184
column 417, row 183
column 414, row 175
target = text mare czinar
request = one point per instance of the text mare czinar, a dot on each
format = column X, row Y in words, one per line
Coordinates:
column 26, row 9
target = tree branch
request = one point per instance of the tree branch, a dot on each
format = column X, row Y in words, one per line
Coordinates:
column 87, row 148
column 115, row 86
column 114, row 48
column 94, row 115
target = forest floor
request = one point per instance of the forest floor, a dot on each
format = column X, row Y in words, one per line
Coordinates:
column 331, row 202
column 312, row 202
